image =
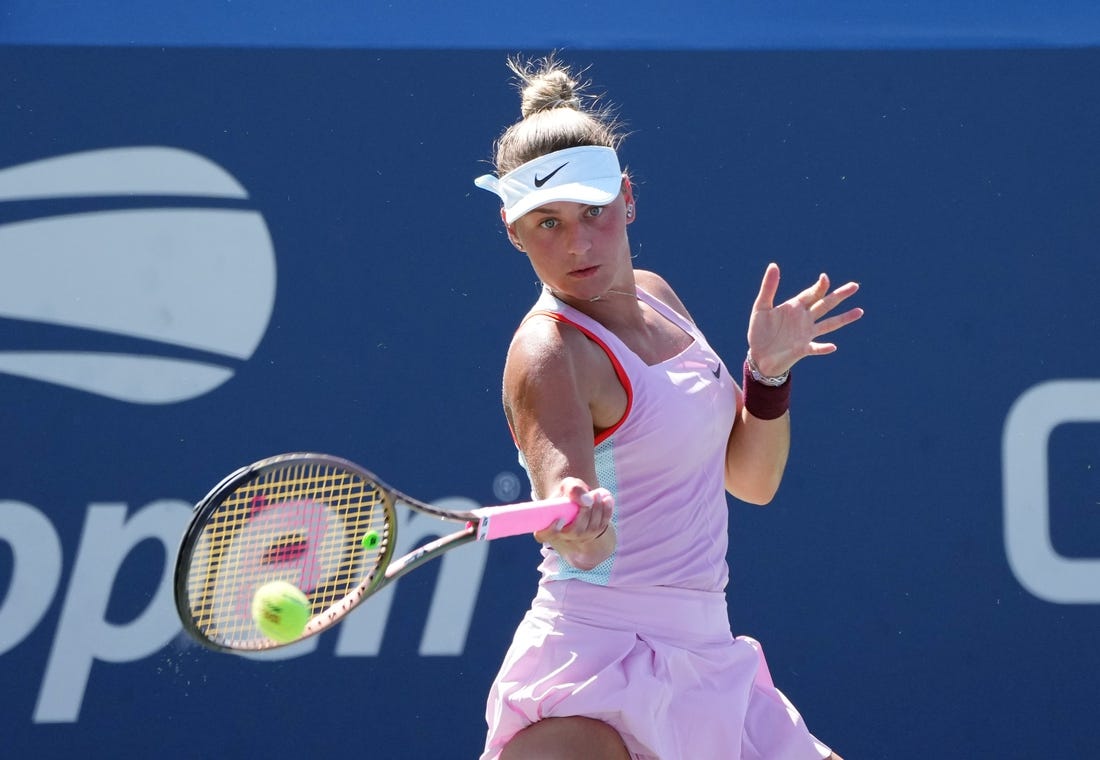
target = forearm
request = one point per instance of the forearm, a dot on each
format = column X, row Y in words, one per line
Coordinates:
column 757, row 456
column 760, row 441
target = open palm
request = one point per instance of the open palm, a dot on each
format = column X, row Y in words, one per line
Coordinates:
column 781, row 335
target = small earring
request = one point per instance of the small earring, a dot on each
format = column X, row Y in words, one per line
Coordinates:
column 629, row 210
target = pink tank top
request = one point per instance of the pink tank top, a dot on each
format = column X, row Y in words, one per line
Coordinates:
column 664, row 462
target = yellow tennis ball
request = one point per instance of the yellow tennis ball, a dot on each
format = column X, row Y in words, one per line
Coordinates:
column 280, row 611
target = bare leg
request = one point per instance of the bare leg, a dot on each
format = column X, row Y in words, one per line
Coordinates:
column 572, row 738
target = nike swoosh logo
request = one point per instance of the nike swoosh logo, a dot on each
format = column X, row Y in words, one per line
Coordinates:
column 540, row 181
column 717, row 372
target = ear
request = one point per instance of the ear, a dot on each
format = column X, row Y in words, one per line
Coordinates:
column 627, row 193
column 511, row 230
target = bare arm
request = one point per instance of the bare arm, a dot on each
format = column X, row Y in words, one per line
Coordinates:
column 779, row 336
column 554, row 396
column 756, row 454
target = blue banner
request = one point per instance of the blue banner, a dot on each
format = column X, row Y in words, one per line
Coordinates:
column 212, row 255
column 484, row 24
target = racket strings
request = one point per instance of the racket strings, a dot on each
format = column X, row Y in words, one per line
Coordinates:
column 317, row 526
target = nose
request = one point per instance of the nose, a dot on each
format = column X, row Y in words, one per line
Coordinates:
column 580, row 241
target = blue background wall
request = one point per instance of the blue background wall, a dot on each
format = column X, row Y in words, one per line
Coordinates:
column 956, row 182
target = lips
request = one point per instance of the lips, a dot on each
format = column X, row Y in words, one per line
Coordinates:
column 584, row 272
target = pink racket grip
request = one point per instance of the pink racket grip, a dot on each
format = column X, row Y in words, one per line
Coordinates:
column 517, row 519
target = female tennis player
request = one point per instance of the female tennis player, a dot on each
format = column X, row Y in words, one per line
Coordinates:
column 615, row 398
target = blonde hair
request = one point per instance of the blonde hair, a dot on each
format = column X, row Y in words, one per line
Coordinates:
column 554, row 116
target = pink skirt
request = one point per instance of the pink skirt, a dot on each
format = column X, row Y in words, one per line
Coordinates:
column 658, row 664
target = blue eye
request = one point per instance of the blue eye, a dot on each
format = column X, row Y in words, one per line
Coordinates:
column 548, row 224
column 595, row 210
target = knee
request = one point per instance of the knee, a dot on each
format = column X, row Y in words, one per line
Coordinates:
column 570, row 738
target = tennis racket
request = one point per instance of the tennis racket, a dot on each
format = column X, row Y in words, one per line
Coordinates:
column 323, row 524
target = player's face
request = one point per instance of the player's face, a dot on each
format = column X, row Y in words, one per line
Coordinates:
column 578, row 250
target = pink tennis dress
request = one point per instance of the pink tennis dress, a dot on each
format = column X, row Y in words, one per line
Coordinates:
column 643, row 641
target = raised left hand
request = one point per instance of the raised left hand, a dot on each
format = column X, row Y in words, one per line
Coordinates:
column 781, row 335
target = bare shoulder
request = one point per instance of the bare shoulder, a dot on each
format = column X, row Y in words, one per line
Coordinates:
column 657, row 286
column 552, row 390
column 546, row 357
column 542, row 343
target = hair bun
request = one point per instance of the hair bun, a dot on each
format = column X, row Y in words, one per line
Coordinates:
column 545, row 84
column 551, row 89
column 558, row 113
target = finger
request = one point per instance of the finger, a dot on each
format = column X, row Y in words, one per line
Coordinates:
column 811, row 295
column 821, row 349
column 558, row 529
column 834, row 299
column 597, row 507
column 603, row 510
column 846, row 290
column 574, row 488
column 589, row 503
column 603, row 503
column 769, row 286
column 603, row 498
column 826, row 326
column 828, row 304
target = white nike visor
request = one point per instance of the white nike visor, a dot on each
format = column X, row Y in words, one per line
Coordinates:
column 589, row 174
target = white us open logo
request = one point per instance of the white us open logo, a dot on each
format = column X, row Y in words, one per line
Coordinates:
column 1031, row 553
column 175, row 276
